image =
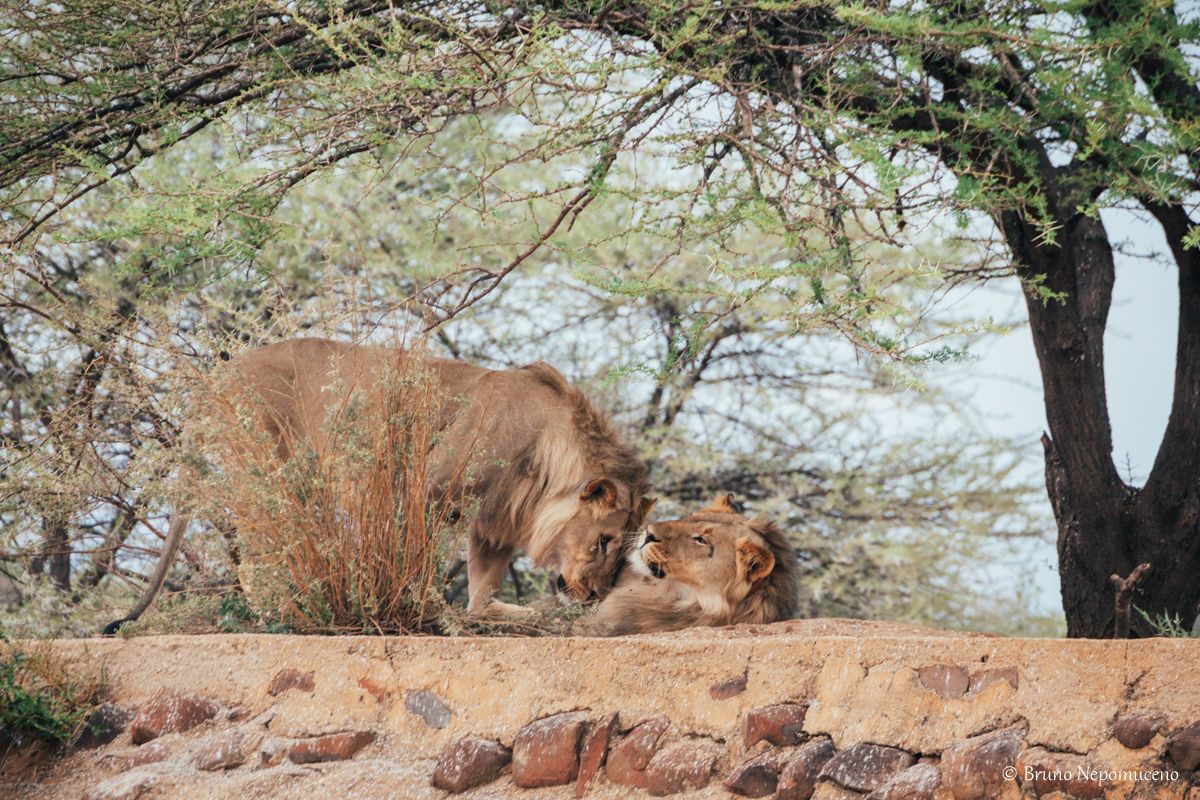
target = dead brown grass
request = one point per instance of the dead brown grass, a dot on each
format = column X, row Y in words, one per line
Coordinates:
column 351, row 536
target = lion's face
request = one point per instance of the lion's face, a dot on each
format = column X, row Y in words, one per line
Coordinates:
column 716, row 554
column 588, row 546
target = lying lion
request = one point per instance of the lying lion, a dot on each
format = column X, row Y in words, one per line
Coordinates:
column 715, row 567
column 549, row 474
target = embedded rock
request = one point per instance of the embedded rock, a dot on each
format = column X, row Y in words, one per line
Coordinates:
column 546, row 751
column 468, row 763
column 865, row 767
column 223, row 751
column 170, row 711
column 593, row 750
column 429, row 707
column 974, row 769
column 944, row 680
column 755, row 777
column 800, row 774
column 918, row 782
column 781, row 724
column 985, row 678
column 681, row 767
column 629, row 758
column 287, row 679
column 150, row 753
column 333, row 747
column 1183, row 747
column 1135, row 730
column 730, row 687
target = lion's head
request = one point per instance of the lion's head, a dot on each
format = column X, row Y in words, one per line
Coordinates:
column 713, row 567
column 591, row 524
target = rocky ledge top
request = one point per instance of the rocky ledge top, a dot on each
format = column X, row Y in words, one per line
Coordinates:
column 830, row 709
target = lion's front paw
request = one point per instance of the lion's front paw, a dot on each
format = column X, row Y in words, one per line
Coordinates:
column 496, row 610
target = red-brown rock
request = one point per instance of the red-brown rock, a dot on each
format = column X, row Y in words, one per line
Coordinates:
column 334, row 747
column 170, row 711
column 223, row 751
column 1183, row 747
column 865, row 767
column 594, row 749
column 681, row 767
column 1137, row 729
column 985, row 678
column 1045, row 772
column 944, row 680
column 150, row 753
column 546, row 751
column 974, row 769
column 918, row 782
column 730, row 687
column 798, row 780
column 291, row 679
column 755, row 777
column 468, row 763
column 629, row 758
column 782, row 724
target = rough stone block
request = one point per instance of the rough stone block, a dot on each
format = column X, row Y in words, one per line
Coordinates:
column 781, row 724
column 865, row 767
column 800, row 774
column 333, row 747
column 594, row 749
column 170, row 711
column 755, row 777
column 468, row 763
column 546, row 751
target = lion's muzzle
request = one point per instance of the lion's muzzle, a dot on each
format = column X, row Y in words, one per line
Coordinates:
column 573, row 590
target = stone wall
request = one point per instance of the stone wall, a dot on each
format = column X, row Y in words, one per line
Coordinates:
column 824, row 709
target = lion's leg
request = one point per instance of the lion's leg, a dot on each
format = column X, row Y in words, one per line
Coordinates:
column 485, row 570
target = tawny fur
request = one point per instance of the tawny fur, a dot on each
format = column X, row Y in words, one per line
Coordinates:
column 642, row 603
column 532, row 440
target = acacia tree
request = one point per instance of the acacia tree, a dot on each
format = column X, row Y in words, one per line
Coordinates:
column 890, row 524
column 833, row 125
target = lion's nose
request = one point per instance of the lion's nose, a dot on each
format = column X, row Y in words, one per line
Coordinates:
column 650, row 537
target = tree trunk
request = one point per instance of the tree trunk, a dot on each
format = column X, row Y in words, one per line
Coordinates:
column 57, row 554
column 1104, row 526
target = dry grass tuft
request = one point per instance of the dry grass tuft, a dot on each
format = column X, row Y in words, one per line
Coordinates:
column 349, row 534
column 45, row 696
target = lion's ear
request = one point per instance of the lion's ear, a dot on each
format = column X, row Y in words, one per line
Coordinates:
column 754, row 561
column 599, row 490
column 724, row 504
column 644, row 506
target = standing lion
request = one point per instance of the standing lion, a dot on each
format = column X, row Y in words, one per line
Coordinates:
column 548, row 474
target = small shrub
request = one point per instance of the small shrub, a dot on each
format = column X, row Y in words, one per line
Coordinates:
column 1166, row 625
column 348, row 534
column 44, row 696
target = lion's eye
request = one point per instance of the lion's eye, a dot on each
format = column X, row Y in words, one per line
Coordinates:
column 605, row 541
column 701, row 540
